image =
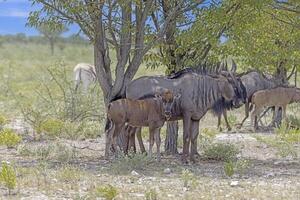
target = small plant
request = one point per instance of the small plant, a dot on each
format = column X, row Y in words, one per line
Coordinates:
column 3, row 121
column 43, row 152
column 232, row 119
column 221, row 152
column 188, row 178
column 52, row 127
column 284, row 147
column 229, row 168
column 151, row 195
column 8, row 177
column 9, row 138
column 242, row 165
column 107, row 192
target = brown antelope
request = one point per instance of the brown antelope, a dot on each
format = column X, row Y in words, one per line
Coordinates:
column 151, row 112
column 278, row 97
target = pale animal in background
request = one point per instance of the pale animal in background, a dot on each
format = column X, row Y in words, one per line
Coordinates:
column 84, row 73
column 278, row 97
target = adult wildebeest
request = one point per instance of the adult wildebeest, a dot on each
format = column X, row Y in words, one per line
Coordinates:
column 199, row 93
column 151, row 112
column 278, row 97
column 84, row 73
column 253, row 82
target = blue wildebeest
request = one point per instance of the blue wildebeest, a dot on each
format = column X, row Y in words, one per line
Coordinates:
column 199, row 93
column 150, row 112
column 253, row 82
column 84, row 73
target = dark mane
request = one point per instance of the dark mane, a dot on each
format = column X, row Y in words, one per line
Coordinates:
column 254, row 70
column 180, row 73
column 210, row 69
column 221, row 105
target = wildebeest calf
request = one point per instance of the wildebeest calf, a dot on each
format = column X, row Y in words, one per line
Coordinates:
column 151, row 112
column 278, row 97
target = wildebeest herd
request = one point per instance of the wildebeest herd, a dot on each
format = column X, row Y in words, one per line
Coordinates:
column 186, row 95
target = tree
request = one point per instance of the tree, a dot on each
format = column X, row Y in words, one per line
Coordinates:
column 122, row 26
column 51, row 33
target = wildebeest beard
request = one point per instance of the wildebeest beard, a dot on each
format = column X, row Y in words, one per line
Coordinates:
column 220, row 105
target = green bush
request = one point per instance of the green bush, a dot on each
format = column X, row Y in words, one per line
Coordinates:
column 52, row 127
column 8, row 176
column 9, row 138
column 151, row 195
column 288, row 134
column 3, row 121
column 188, row 178
column 220, row 152
column 229, row 168
column 284, row 148
column 107, row 192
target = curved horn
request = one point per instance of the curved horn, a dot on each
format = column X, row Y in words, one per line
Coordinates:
column 233, row 66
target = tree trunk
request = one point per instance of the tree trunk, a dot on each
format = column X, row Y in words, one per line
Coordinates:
column 171, row 138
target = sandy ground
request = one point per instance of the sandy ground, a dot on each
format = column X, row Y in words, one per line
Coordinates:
column 50, row 177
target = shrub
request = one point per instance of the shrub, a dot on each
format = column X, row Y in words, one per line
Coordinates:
column 9, row 138
column 288, row 134
column 229, row 168
column 3, row 121
column 8, row 176
column 52, row 127
column 188, row 178
column 107, row 192
column 284, row 148
column 151, row 195
column 221, row 152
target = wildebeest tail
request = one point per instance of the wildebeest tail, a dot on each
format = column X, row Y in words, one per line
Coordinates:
column 77, row 79
column 251, row 107
column 108, row 124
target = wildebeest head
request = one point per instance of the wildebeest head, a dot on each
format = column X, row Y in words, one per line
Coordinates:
column 240, row 93
column 167, row 99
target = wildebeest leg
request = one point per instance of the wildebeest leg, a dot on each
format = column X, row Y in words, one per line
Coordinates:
column 118, row 129
column 226, row 120
column 151, row 139
column 254, row 115
column 194, row 136
column 140, row 139
column 186, row 137
column 246, row 115
column 283, row 107
column 108, row 140
column 219, row 122
column 158, row 142
column 131, row 138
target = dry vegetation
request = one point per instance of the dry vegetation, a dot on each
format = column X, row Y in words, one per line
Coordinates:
column 61, row 158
